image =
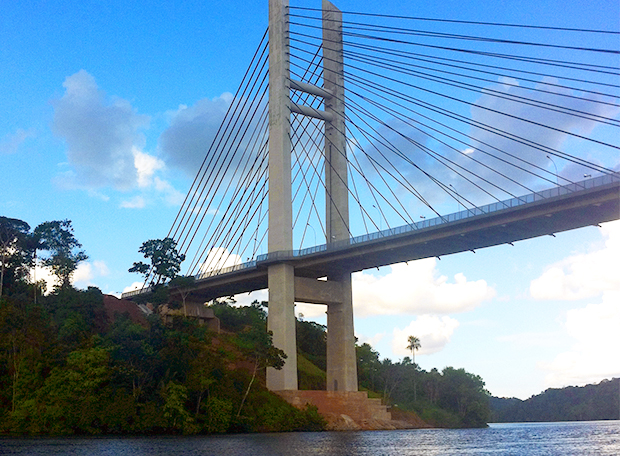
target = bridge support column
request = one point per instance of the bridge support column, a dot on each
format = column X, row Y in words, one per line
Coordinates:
column 281, row 277
column 341, row 358
column 281, row 321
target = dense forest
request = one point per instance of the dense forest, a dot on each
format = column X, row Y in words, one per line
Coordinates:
column 67, row 370
column 69, row 366
column 573, row 403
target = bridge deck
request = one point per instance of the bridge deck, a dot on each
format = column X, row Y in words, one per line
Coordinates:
column 589, row 202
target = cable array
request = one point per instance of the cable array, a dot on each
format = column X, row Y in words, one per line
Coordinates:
column 451, row 115
column 441, row 116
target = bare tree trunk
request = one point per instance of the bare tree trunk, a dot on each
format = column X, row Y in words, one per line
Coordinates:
column 199, row 401
column 16, row 369
column 247, row 391
column 34, row 275
column 2, row 274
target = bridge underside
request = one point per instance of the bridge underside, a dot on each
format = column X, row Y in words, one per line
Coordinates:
column 544, row 217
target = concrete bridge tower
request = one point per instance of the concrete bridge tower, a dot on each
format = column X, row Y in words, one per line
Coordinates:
column 284, row 286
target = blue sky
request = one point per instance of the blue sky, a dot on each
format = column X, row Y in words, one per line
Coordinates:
column 528, row 317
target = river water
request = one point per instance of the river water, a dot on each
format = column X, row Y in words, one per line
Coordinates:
column 522, row 439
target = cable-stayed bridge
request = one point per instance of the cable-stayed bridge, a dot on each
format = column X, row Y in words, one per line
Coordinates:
column 353, row 138
column 584, row 203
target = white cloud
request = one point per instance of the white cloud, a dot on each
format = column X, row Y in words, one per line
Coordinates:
column 310, row 310
column 595, row 327
column 104, row 145
column 45, row 274
column 146, row 165
column 87, row 271
column 101, row 134
column 372, row 341
column 171, row 195
column 489, row 109
column 218, row 258
column 246, row 299
column 416, row 288
column 134, row 286
column 584, row 275
column 594, row 355
column 95, row 194
column 137, row 202
column 508, row 81
column 82, row 277
column 434, row 333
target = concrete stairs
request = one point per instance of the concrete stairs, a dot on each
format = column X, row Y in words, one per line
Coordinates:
column 344, row 410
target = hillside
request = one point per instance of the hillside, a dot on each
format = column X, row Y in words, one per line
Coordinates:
column 573, row 403
column 80, row 362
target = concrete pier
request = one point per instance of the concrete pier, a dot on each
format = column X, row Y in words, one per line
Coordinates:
column 341, row 359
column 281, row 277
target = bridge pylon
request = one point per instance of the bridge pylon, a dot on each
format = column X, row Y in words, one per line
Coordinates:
column 284, row 287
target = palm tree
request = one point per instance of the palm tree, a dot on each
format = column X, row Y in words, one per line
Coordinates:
column 414, row 344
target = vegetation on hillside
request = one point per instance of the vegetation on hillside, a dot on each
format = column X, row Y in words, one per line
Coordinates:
column 67, row 368
column 450, row 398
column 574, row 403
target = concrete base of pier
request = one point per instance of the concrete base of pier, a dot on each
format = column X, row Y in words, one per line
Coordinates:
column 349, row 410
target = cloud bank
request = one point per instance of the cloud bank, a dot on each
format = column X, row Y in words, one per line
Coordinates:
column 416, row 289
column 105, row 145
column 434, row 333
column 585, row 275
column 102, row 134
column 83, row 276
column 594, row 328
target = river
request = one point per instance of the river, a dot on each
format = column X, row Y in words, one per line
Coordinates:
column 598, row 438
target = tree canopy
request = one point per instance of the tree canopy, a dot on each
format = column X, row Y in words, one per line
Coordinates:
column 165, row 259
column 19, row 246
column 63, row 249
column 14, row 234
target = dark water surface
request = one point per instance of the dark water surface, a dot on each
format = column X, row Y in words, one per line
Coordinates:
column 528, row 439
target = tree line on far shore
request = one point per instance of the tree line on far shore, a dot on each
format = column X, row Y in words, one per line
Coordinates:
column 599, row 401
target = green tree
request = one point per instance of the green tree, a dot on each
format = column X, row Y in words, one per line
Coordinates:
column 312, row 341
column 182, row 285
column 73, row 396
column 25, row 334
column 165, row 259
column 464, row 394
column 257, row 345
column 175, row 397
column 64, row 254
column 14, row 234
column 368, row 366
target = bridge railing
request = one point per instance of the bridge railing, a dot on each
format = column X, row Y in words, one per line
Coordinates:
column 233, row 268
column 128, row 294
column 449, row 218
column 416, row 226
